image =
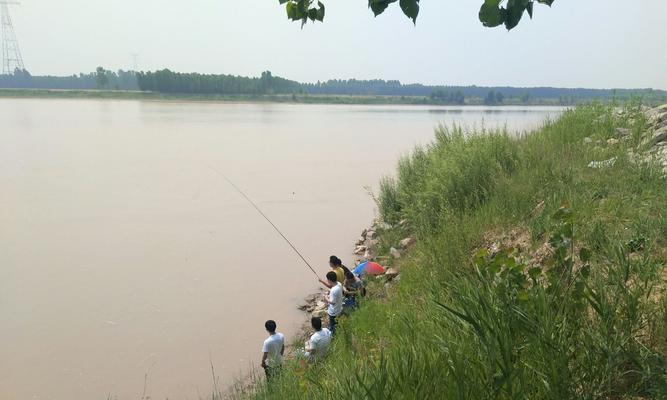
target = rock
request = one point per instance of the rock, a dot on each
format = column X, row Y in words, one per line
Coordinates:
column 321, row 313
column 588, row 140
column 364, row 233
column 360, row 241
column 602, row 164
column 622, row 132
column 403, row 222
column 408, row 241
column 384, row 225
column 370, row 234
column 658, row 136
column 395, row 253
column 612, row 141
column 368, row 255
column 360, row 250
column 391, row 273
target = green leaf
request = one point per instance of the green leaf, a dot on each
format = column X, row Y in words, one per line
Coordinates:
column 410, row 9
column 378, row 6
column 585, row 255
column 320, row 11
column 291, row 11
column 564, row 214
column 529, row 8
column 522, row 295
column 534, row 272
column 490, row 14
column 312, row 14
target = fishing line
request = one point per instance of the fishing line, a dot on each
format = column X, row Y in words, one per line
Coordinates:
column 266, row 218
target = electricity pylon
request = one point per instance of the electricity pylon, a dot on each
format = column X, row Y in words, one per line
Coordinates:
column 11, row 54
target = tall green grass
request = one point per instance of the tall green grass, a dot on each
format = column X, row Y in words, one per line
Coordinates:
column 588, row 321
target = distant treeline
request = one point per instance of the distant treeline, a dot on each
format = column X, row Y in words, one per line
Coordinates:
column 166, row 81
column 170, row 82
column 100, row 79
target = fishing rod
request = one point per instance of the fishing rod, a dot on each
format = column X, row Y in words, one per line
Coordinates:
column 266, row 218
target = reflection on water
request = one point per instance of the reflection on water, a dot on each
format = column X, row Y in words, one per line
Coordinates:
column 123, row 254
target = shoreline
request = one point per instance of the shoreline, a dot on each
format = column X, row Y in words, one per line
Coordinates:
column 87, row 94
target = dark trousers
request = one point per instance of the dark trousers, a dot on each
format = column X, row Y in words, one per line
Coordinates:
column 271, row 372
column 332, row 324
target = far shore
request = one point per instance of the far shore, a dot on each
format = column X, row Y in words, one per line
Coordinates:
column 265, row 98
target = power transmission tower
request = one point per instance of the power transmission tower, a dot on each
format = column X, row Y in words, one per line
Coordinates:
column 11, row 54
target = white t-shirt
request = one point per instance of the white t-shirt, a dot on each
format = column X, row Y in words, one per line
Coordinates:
column 335, row 297
column 319, row 342
column 273, row 345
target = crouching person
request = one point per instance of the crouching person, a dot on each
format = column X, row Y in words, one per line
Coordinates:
column 318, row 344
column 353, row 287
column 273, row 350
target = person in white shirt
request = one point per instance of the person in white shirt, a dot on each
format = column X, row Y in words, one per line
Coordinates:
column 335, row 300
column 272, row 350
column 317, row 346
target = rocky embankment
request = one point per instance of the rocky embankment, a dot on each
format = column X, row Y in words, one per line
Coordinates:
column 655, row 139
column 367, row 248
column 652, row 141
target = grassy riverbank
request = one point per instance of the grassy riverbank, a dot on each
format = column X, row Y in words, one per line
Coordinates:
column 296, row 98
column 533, row 277
column 267, row 98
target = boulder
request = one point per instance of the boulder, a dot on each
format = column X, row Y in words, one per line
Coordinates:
column 391, row 273
column 360, row 241
column 407, row 242
column 360, row 250
column 622, row 132
column 384, row 225
column 395, row 253
column 321, row 313
column 370, row 234
column 659, row 136
column 368, row 255
column 602, row 164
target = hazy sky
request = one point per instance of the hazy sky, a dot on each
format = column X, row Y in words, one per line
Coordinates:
column 576, row 43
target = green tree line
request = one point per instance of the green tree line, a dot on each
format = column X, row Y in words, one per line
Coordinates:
column 100, row 79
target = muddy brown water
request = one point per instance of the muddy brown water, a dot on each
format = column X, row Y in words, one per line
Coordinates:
column 126, row 259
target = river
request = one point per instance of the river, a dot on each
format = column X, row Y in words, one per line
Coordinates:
column 127, row 262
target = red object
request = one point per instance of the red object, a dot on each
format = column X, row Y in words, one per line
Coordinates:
column 373, row 268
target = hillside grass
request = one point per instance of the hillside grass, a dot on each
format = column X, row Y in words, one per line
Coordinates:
column 588, row 320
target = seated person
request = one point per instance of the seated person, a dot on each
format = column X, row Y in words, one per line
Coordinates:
column 318, row 344
column 353, row 286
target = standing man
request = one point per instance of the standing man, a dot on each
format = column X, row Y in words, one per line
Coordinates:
column 273, row 350
column 334, row 299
